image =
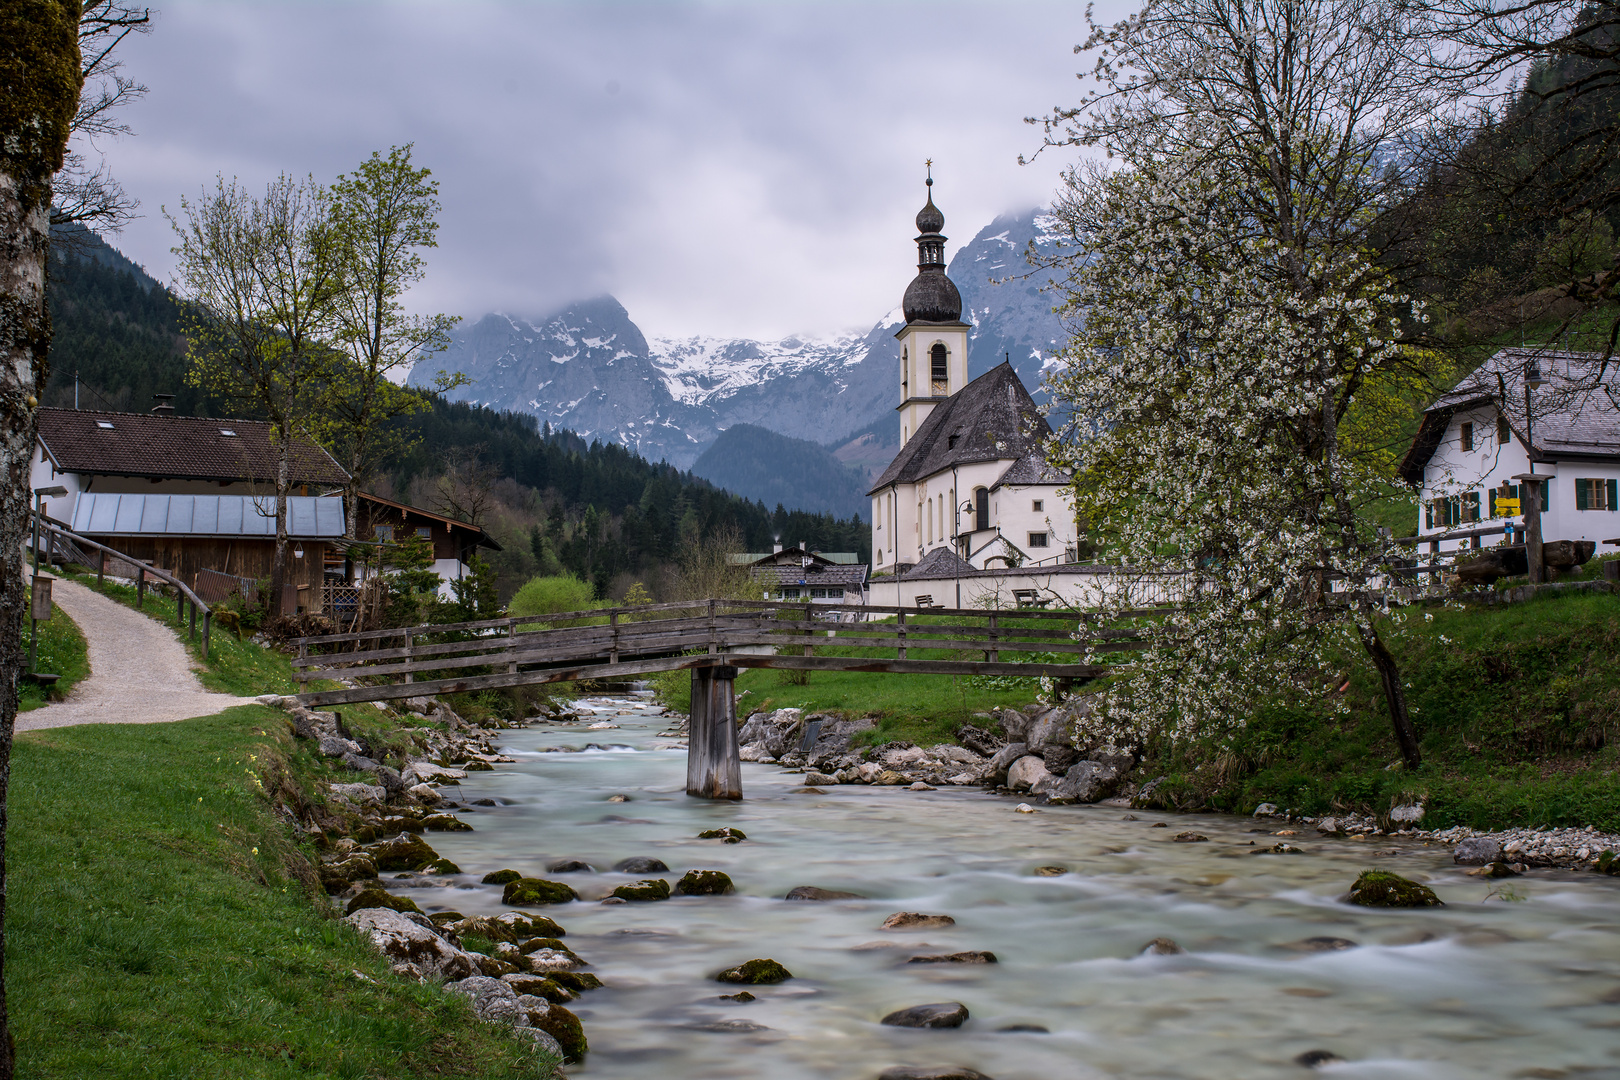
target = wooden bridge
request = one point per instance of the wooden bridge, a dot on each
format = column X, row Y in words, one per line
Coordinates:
column 714, row 639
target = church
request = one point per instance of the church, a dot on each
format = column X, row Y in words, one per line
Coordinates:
column 970, row 495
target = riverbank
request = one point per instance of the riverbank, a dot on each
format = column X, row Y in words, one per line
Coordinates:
column 162, row 920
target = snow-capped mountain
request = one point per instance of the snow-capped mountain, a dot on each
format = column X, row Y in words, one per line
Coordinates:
column 589, row 367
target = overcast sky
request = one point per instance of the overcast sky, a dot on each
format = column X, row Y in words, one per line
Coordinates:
column 722, row 168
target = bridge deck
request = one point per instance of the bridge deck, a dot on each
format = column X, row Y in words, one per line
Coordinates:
column 623, row 642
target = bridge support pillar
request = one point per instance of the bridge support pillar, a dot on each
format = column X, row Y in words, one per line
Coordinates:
column 713, row 767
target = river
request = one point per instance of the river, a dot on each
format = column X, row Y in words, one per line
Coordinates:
column 1522, row 983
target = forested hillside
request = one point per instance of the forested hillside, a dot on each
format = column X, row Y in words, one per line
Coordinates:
column 552, row 500
column 773, row 468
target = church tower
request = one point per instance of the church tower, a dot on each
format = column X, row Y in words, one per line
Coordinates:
column 933, row 343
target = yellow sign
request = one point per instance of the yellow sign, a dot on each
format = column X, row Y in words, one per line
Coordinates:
column 1507, row 507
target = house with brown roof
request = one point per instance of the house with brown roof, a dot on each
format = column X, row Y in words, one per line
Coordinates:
column 383, row 522
column 189, row 493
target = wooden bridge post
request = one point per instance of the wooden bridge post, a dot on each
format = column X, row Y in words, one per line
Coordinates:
column 900, row 629
column 613, row 644
column 992, row 655
column 713, row 766
column 407, row 662
column 511, row 633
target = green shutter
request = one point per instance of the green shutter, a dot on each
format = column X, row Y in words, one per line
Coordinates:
column 1491, row 495
column 1580, row 494
column 1428, row 514
column 1613, row 486
column 1546, row 495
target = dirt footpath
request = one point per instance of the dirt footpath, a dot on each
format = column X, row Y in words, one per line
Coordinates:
column 139, row 673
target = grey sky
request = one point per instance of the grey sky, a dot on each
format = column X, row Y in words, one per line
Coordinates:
column 721, row 168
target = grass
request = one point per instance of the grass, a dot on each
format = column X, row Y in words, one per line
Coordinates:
column 162, row 924
column 1517, row 709
column 62, row 651
column 921, row 709
column 231, row 667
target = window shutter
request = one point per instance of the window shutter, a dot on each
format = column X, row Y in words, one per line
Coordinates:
column 1613, row 486
column 1546, row 495
column 1581, row 486
column 1491, row 495
column 1428, row 514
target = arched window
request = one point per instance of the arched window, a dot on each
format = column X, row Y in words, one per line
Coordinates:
column 981, row 508
column 940, row 376
column 905, row 371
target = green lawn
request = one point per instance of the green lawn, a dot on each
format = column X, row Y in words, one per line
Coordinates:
column 1517, row 709
column 161, row 924
column 62, row 651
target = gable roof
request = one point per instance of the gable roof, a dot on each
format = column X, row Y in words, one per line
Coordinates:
column 1032, row 468
column 940, row 562
column 482, row 537
column 830, row 575
column 175, row 447
column 1576, row 414
column 992, row 418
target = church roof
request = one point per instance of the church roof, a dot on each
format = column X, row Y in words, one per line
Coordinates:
column 992, row 418
column 1032, row 468
column 932, row 297
column 941, row 562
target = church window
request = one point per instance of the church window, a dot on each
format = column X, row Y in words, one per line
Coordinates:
column 1504, row 433
column 981, row 509
column 1468, row 436
column 1036, row 505
column 938, row 371
column 1037, row 540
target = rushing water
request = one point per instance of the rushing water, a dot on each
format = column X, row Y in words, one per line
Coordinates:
column 1523, row 987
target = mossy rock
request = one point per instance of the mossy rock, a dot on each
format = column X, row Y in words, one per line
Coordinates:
column 577, row 981
column 407, row 851
column 524, row 925
column 535, row 944
column 647, row 889
column 476, row 766
column 501, row 877
column 1379, row 888
column 526, row 891
column 704, row 883
column 755, row 973
column 442, row 866
column 445, row 823
column 376, row 898
column 1607, row 863
column 728, row 834
column 446, row 918
column 540, row 986
column 565, row 1027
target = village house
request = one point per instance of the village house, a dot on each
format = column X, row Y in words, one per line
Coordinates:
column 970, row 496
column 797, row 573
column 189, row 494
column 382, row 522
column 1477, row 437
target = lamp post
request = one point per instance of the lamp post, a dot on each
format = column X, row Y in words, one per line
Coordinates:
column 40, row 495
column 1530, row 483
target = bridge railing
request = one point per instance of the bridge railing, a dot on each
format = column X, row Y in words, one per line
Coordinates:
column 618, row 642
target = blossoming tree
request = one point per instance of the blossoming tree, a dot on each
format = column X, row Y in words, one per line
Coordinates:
column 1237, row 344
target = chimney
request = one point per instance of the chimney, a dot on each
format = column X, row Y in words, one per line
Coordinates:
column 776, row 545
column 165, row 403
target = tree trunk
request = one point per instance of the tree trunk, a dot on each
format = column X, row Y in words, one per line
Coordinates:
column 39, row 91
column 1389, row 673
column 278, row 562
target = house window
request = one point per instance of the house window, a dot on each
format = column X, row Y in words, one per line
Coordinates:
column 1595, row 493
column 1468, row 436
column 384, row 533
column 1036, row 505
column 790, row 594
column 1504, row 434
column 1037, row 540
column 1470, row 507
column 425, row 532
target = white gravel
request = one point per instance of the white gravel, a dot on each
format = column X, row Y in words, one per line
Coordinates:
column 139, row 672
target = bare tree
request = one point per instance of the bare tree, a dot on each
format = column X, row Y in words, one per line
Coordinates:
column 263, row 285
column 40, row 78
column 86, row 192
column 466, row 488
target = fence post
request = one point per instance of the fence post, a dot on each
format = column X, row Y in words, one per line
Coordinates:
column 714, row 641
column 408, row 676
column 809, row 629
column 194, row 620
column 511, row 633
column 900, row 620
column 613, row 642
column 303, row 672
column 140, row 585
column 208, row 625
column 992, row 654
column 179, row 607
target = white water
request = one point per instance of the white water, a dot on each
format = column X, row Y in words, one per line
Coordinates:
column 1481, row 988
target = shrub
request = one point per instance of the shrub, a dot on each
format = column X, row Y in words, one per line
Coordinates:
column 549, row 595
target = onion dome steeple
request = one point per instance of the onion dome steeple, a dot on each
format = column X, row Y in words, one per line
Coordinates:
column 931, row 296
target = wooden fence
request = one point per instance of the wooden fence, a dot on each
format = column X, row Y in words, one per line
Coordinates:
column 621, row 642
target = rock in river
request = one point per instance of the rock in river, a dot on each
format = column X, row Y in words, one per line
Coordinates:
column 569, row 866
column 501, row 877
column 1161, row 946
column 1029, row 773
column 1477, row 851
column 1378, row 888
column 407, row 851
column 938, row 1072
column 728, row 834
column 811, row 892
column 944, row 1014
column 526, row 891
column 916, row 920
column 641, row 865
column 704, row 883
column 646, row 889
column 981, row 957
column 755, row 973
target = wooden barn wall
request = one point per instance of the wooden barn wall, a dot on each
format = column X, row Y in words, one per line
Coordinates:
column 249, row 558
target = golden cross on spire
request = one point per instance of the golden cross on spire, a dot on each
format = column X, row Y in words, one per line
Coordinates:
column 930, row 164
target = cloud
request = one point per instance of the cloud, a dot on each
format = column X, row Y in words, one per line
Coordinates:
column 722, row 168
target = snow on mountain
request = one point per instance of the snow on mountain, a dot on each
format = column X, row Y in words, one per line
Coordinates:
column 589, row 367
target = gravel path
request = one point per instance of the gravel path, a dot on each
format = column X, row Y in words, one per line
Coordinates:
column 139, row 672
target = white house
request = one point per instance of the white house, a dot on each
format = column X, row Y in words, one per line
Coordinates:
column 970, row 483
column 1477, row 437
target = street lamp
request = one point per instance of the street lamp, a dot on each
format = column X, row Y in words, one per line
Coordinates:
column 34, row 606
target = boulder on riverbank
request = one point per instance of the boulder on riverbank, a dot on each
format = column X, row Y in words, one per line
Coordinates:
column 407, row 851
column 1085, row 782
column 526, row 891
column 1379, row 888
column 377, row 898
column 755, row 973
column 415, row 947
column 1029, row 773
column 1477, row 851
